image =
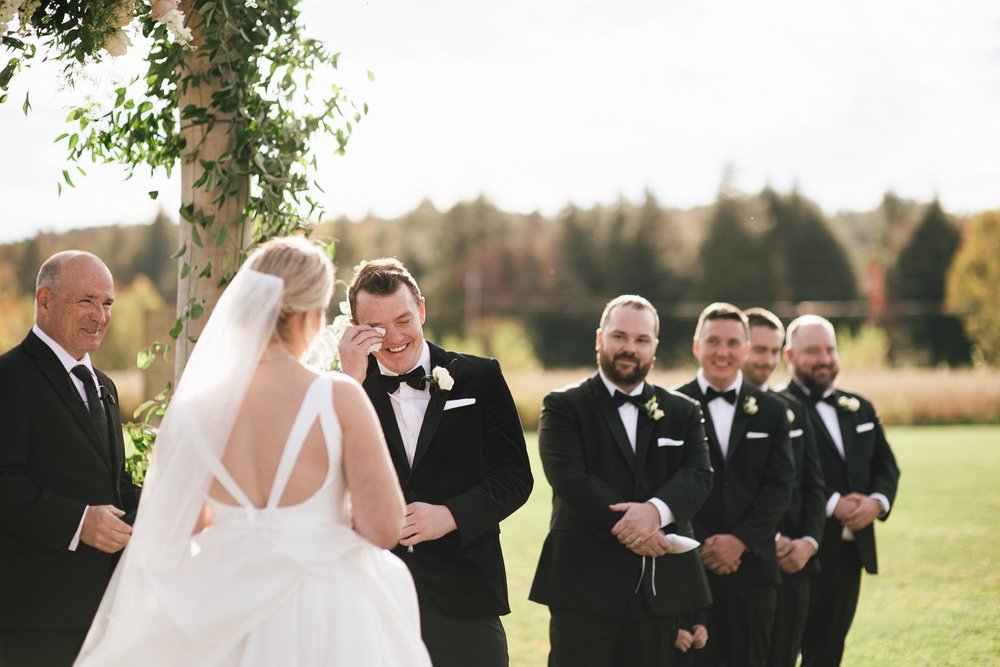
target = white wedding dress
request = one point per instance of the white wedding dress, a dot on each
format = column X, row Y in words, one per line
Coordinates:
column 278, row 585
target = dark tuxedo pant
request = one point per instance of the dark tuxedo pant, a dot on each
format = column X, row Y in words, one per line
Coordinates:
column 833, row 598
column 739, row 623
column 40, row 648
column 637, row 638
column 463, row 642
column 789, row 619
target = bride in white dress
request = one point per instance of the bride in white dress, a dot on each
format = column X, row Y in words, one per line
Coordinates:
column 269, row 502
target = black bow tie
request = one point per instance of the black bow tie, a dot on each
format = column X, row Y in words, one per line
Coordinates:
column 728, row 396
column 416, row 378
column 830, row 399
column 619, row 399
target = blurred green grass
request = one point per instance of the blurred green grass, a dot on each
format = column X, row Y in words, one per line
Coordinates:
column 937, row 599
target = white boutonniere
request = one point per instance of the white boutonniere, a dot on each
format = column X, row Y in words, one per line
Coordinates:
column 848, row 403
column 750, row 405
column 653, row 410
column 791, row 416
column 441, row 378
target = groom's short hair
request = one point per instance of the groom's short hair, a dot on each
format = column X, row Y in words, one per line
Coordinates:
column 381, row 277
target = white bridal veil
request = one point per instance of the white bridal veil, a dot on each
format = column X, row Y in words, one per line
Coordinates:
column 188, row 452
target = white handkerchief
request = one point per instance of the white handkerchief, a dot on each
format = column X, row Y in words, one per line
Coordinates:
column 458, row 403
column 795, row 433
column 757, row 435
column 680, row 544
column 864, row 428
column 668, row 442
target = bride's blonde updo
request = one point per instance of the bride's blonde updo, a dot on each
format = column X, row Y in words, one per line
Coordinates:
column 305, row 269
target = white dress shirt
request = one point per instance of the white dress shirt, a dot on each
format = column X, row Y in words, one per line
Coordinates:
column 67, row 360
column 723, row 412
column 410, row 405
column 629, row 414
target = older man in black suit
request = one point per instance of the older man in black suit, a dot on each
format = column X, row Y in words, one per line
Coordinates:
column 861, row 479
column 753, row 471
column 455, row 439
column 801, row 529
column 63, row 486
column 628, row 466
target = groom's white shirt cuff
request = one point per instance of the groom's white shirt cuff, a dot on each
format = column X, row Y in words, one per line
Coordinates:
column 79, row 529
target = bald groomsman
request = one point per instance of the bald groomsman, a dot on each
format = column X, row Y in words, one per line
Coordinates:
column 861, row 479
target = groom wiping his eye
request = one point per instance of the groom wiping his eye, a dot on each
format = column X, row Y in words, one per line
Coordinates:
column 456, row 442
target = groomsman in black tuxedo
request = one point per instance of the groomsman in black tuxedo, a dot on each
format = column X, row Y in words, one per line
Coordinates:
column 861, row 480
column 455, row 439
column 628, row 465
column 753, row 472
column 801, row 529
column 63, row 486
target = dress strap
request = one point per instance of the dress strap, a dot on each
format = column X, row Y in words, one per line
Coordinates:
column 219, row 471
column 310, row 408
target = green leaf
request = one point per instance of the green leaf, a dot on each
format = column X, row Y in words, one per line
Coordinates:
column 26, row 107
column 153, row 194
column 196, row 237
column 206, row 272
column 176, row 330
column 371, row 76
column 220, row 237
column 67, row 178
column 180, row 251
column 197, row 310
column 73, row 141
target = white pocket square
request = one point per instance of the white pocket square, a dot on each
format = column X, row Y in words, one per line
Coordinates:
column 458, row 403
column 668, row 442
column 757, row 435
column 795, row 433
column 864, row 428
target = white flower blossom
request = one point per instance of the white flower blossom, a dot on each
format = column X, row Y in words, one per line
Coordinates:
column 653, row 410
column 442, row 378
column 322, row 352
column 174, row 20
column 750, row 405
column 250, row 4
column 848, row 403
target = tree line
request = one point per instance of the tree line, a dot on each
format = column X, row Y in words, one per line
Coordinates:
column 490, row 275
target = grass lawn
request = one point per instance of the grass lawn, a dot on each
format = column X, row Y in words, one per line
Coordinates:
column 937, row 599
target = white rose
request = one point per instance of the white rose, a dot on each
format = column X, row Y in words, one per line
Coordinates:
column 442, row 378
column 657, row 414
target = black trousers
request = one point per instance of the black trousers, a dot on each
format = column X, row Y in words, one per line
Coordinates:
column 789, row 619
column 739, row 623
column 637, row 638
column 463, row 642
column 833, row 598
column 40, row 648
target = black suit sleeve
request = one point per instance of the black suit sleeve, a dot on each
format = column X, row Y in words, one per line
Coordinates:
column 813, row 486
column 508, row 480
column 27, row 508
column 884, row 471
column 561, row 449
column 688, row 488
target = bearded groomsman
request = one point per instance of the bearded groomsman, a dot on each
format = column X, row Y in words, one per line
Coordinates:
column 628, row 465
column 861, row 479
column 64, row 490
column 801, row 529
column 456, row 442
column 753, row 472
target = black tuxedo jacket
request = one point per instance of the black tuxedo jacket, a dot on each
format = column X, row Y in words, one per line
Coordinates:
column 472, row 459
column 588, row 461
column 806, row 514
column 752, row 484
column 869, row 467
column 52, row 465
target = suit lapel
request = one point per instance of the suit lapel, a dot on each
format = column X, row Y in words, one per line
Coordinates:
column 818, row 424
column 57, row 376
column 432, row 417
column 390, row 428
column 114, row 421
column 740, row 422
column 611, row 417
column 847, row 427
column 643, row 433
column 715, row 449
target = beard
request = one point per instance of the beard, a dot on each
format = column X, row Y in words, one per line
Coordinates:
column 814, row 384
column 623, row 378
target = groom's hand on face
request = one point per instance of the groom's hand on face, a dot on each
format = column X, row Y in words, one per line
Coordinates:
column 425, row 522
column 639, row 522
column 104, row 530
column 353, row 349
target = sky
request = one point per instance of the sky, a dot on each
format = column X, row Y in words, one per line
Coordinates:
column 537, row 103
